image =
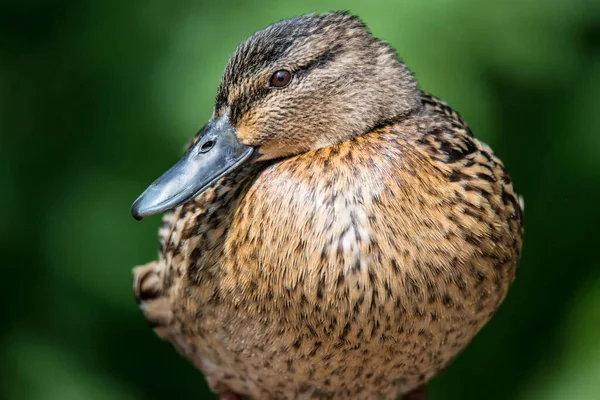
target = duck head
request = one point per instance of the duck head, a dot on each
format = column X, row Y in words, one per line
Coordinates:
column 298, row 85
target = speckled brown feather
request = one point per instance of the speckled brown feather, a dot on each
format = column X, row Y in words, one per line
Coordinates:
column 356, row 270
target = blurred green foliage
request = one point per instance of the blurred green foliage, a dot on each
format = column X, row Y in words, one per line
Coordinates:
column 97, row 98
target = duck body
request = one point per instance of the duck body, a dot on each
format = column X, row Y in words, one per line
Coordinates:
column 356, row 270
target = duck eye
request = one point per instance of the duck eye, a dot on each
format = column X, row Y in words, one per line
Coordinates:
column 280, row 79
column 207, row 146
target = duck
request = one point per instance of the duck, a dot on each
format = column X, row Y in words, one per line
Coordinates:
column 333, row 231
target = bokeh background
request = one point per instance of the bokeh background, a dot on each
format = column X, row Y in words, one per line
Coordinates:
column 97, row 98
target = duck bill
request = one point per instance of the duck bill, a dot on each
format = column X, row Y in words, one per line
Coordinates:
column 216, row 153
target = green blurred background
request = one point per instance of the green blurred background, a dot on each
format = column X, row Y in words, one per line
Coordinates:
column 97, row 98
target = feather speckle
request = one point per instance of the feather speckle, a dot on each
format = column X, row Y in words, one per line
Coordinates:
column 360, row 254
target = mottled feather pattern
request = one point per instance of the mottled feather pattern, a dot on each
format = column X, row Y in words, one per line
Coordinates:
column 353, row 270
column 337, row 309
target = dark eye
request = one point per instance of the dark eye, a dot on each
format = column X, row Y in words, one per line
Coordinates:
column 280, row 79
column 207, row 146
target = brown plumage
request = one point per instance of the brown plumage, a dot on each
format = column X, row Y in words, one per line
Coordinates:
column 359, row 251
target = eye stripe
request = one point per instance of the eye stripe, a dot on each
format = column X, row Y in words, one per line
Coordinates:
column 242, row 104
column 320, row 60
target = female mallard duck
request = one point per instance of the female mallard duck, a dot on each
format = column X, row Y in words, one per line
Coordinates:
column 336, row 232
